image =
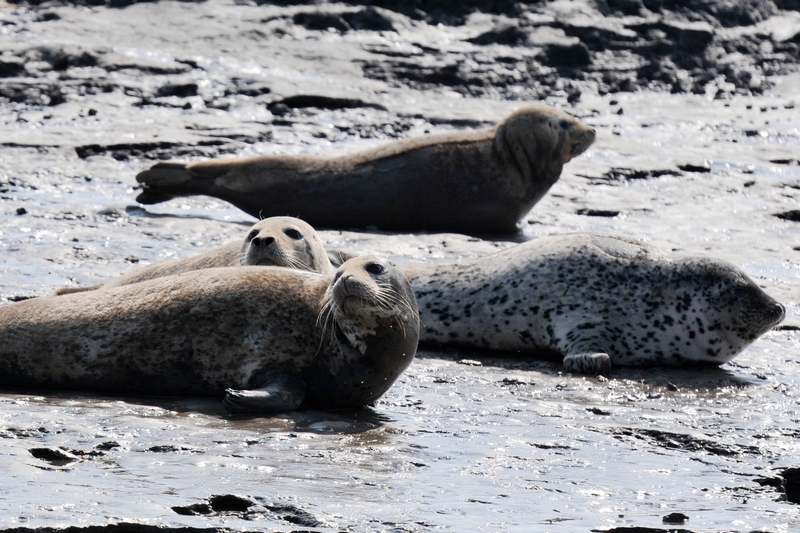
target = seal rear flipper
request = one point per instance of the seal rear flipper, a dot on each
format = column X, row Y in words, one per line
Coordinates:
column 277, row 397
column 592, row 363
column 72, row 290
column 162, row 182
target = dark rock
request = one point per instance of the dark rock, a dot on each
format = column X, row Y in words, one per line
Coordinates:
column 193, row 510
column 247, row 88
column 62, row 58
column 181, row 90
column 726, row 13
column 687, row 443
column 597, row 213
column 771, row 481
column 640, row 529
column 33, row 93
column 321, row 102
column 18, row 298
column 791, row 484
column 677, row 519
column 320, row 21
column 574, row 55
column 294, row 515
column 692, row 37
column 54, row 457
column 155, row 150
column 626, row 7
column 690, row 167
column 21, row 211
column 229, row 503
column 11, row 66
column 369, row 18
column 653, row 5
column 792, row 216
column 508, row 34
column 626, row 174
column 48, row 16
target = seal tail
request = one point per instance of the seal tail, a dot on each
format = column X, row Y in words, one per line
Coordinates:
column 162, row 182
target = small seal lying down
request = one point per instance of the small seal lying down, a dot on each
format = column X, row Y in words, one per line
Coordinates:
column 267, row 339
column 481, row 181
column 596, row 299
column 277, row 241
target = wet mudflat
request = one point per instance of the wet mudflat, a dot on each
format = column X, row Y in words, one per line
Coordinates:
column 463, row 441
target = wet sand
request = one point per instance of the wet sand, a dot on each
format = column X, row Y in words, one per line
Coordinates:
column 463, row 441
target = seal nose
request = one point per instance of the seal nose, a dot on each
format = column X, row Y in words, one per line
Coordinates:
column 258, row 241
column 780, row 312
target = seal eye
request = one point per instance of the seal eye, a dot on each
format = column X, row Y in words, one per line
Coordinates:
column 375, row 268
column 565, row 124
column 252, row 235
column 293, row 234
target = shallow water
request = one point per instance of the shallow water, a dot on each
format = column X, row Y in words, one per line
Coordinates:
column 463, row 441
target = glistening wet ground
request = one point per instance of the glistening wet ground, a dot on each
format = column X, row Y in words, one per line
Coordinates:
column 463, row 441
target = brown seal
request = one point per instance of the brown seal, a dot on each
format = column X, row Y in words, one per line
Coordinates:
column 267, row 339
column 481, row 181
column 276, row 241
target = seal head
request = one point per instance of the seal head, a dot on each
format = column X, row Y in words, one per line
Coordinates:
column 370, row 311
column 285, row 242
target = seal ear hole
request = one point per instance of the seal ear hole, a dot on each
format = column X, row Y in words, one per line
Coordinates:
column 252, row 235
column 293, row 234
column 375, row 268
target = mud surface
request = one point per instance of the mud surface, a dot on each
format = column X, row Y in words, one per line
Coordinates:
column 698, row 152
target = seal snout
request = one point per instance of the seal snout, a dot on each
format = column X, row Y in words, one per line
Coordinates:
column 777, row 312
column 266, row 241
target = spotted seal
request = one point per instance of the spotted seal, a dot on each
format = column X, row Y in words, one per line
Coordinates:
column 480, row 181
column 275, row 241
column 597, row 300
column 266, row 339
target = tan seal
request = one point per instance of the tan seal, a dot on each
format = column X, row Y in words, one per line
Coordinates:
column 276, row 241
column 596, row 300
column 481, row 181
column 266, row 339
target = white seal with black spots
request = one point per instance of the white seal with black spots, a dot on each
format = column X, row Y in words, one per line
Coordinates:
column 597, row 300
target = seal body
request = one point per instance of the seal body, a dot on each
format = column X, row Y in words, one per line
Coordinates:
column 261, row 337
column 276, row 241
column 481, row 181
column 597, row 300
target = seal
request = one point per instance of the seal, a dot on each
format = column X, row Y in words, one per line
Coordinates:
column 266, row 339
column 276, row 241
column 596, row 300
column 480, row 181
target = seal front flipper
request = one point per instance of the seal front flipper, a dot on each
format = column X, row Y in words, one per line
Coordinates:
column 592, row 363
column 281, row 395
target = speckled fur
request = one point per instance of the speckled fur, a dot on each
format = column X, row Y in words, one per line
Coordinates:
column 206, row 331
column 466, row 181
column 270, row 242
column 598, row 300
